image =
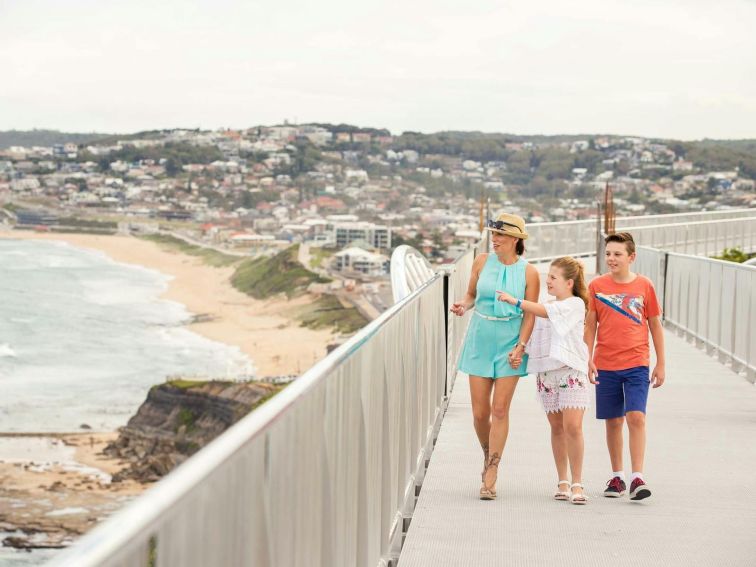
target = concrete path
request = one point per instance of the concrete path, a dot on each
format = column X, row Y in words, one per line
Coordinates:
column 701, row 465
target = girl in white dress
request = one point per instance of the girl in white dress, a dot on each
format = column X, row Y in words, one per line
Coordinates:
column 559, row 356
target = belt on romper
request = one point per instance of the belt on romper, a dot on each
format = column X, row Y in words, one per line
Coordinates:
column 489, row 318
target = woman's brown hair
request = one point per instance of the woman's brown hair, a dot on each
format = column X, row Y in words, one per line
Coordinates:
column 573, row 270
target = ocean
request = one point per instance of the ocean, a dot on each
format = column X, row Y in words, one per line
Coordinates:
column 83, row 338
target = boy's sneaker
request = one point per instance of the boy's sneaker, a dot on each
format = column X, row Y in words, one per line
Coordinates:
column 639, row 489
column 615, row 488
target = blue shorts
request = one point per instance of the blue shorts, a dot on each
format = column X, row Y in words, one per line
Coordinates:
column 621, row 391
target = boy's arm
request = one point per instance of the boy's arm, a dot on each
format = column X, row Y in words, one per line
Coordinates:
column 589, row 336
column 657, row 334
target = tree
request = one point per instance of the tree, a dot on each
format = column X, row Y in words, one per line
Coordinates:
column 173, row 166
column 733, row 255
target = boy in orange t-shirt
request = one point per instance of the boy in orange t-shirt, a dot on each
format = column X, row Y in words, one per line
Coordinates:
column 624, row 307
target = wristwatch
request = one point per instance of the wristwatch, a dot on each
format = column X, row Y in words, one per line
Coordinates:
column 522, row 344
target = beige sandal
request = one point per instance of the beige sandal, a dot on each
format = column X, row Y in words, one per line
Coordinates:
column 488, row 492
column 562, row 494
column 578, row 498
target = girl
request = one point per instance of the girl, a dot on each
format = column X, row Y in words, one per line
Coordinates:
column 559, row 355
column 494, row 350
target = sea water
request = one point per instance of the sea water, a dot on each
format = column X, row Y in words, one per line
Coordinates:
column 83, row 338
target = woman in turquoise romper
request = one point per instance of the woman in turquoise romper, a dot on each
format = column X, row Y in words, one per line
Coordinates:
column 494, row 350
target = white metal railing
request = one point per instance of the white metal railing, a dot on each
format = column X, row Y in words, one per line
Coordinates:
column 409, row 270
column 624, row 223
column 321, row 475
column 650, row 262
column 699, row 238
column 711, row 302
column 550, row 240
column 459, row 276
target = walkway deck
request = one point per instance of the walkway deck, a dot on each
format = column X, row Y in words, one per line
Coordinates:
column 700, row 463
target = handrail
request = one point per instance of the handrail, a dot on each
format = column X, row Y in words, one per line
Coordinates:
column 623, row 221
column 549, row 241
column 366, row 369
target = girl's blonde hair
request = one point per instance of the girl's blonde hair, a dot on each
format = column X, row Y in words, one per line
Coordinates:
column 573, row 270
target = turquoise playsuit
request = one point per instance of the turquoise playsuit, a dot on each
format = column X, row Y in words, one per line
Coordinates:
column 489, row 342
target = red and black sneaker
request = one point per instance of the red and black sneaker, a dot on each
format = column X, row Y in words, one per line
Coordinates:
column 615, row 488
column 639, row 489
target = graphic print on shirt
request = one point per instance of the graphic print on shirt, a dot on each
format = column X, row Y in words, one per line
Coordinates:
column 630, row 306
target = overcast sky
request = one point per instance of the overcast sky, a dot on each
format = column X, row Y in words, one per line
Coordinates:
column 666, row 68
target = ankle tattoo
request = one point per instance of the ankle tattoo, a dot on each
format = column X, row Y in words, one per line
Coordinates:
column 493, row 460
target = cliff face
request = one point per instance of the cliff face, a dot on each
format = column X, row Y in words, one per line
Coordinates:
column 179, row 418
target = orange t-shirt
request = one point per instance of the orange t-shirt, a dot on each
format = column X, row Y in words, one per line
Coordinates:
column 622, row 311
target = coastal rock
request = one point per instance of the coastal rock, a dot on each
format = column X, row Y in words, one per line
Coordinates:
column 177, row 419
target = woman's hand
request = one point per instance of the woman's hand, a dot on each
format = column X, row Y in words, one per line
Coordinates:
column 505, row 297
column 458, row 308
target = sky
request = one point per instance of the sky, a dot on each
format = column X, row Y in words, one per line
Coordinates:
column 683, row 69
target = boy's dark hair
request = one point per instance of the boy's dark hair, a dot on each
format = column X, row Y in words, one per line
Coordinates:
column 623, row 237
column 520, row 247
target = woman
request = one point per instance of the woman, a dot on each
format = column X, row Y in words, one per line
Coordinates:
column 494, row 350
column 559, row 355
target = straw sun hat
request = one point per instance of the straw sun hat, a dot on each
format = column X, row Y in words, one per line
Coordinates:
column 511, row 225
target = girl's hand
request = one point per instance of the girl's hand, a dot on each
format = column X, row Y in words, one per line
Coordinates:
column 505, row 297
column 515, row 357
column 458, row 309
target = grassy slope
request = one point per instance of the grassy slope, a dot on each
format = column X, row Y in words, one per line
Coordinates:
column 209, row 256
column 328, row 312
column 265, row 277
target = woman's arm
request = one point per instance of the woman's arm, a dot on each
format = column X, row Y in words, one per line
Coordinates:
column 532, row 289
column 468, row 300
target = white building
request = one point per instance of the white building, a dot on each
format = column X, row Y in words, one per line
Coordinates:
column 359, row 260
column 345, row 233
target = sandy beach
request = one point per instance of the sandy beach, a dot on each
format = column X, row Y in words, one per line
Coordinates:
column 275, row 342
column 54, row 488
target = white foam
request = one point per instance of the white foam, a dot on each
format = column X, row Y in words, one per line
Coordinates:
column 68, row 511
column 6, row 350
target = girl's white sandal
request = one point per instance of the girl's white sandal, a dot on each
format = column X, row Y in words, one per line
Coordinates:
column 578, row 498
column 562, row 495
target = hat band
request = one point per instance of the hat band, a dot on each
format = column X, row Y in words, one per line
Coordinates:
column 499, row 225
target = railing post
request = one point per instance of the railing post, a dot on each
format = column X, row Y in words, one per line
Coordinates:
column 599, row 239
column 447, row 274
column 665, row 262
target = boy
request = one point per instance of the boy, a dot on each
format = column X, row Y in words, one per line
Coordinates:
column 624, row 306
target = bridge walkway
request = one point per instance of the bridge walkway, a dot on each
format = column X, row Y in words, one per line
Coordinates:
column 700, row 463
